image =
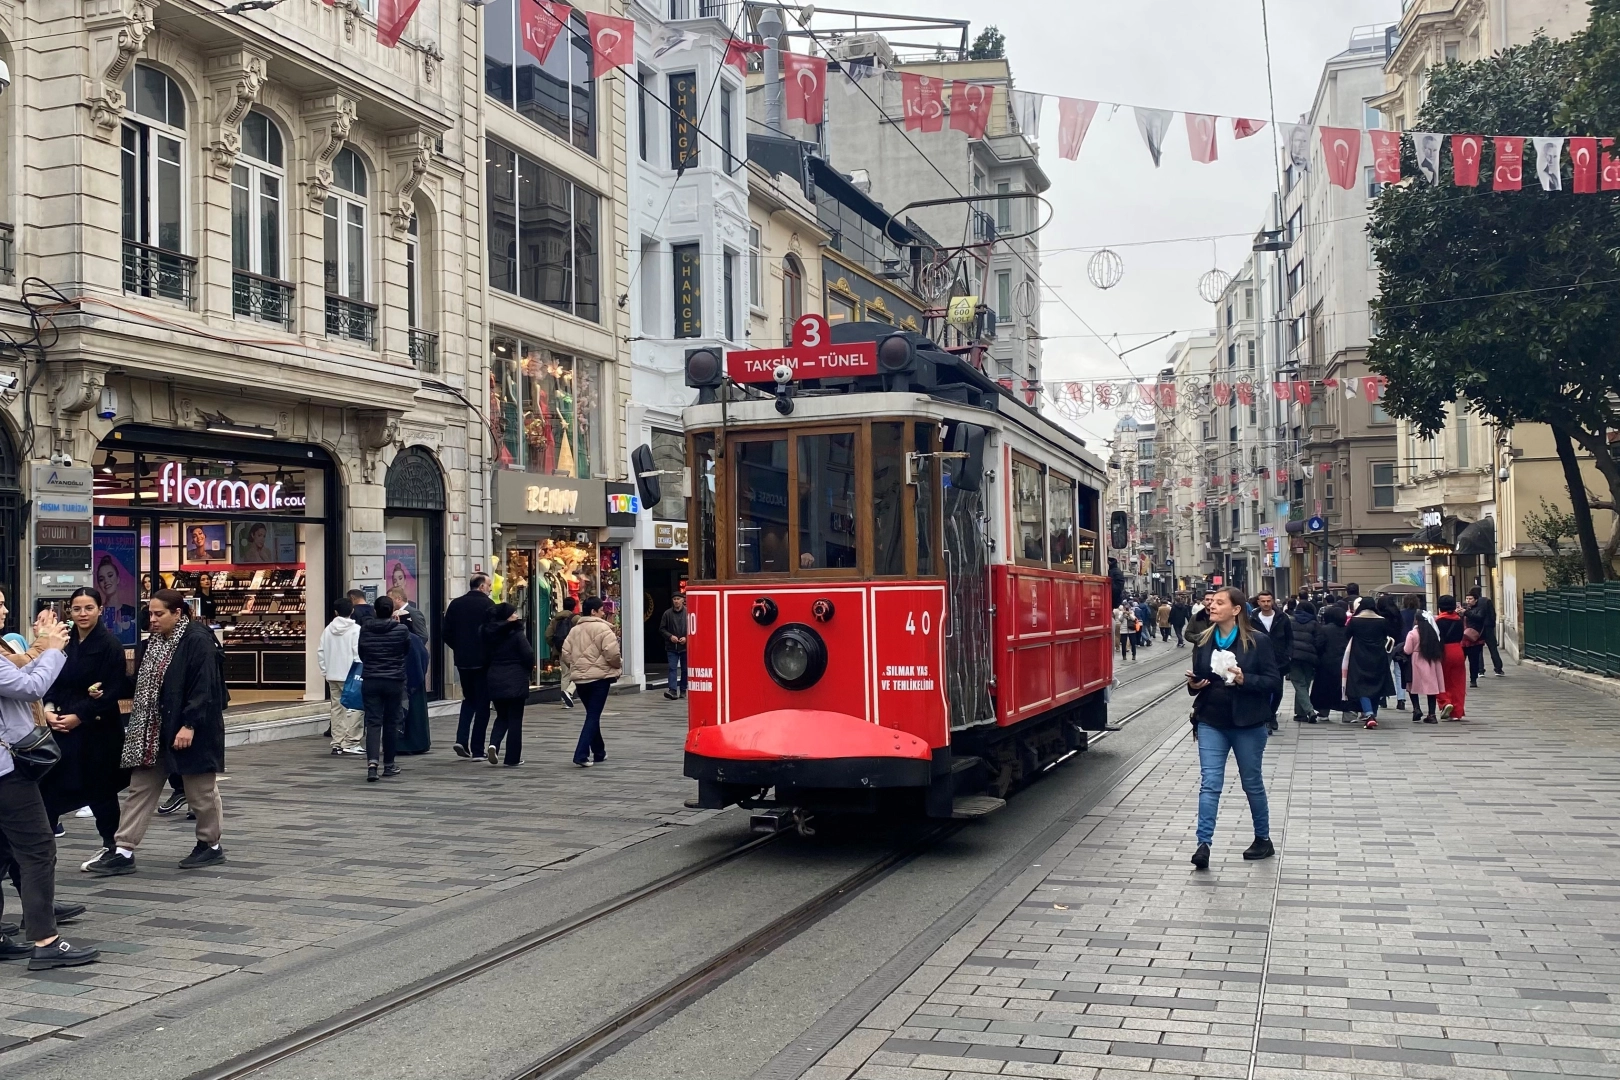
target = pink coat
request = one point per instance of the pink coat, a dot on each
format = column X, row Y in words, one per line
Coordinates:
column 1427, row 675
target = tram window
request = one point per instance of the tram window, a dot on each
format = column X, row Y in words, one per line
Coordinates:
column 1029, row 499
column 1060, row 497
column 762, row 507
column 703, row 566
column 826, row 494
column 925, row 498
column 1086, row 531
column 888, row 499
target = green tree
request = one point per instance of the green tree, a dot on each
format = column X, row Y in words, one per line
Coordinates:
column 1551, row 527
column 1505, row 303
column 991, row 44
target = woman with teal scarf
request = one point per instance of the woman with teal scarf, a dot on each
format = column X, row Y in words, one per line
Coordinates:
column 1232, row 717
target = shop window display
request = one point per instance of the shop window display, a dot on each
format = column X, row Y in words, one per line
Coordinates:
column 543, row 408
column 538, row 577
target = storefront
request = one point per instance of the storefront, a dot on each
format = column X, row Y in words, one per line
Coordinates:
column 247, row 529
column 554, row 544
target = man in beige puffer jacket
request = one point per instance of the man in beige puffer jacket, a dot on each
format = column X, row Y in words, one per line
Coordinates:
column 591, row 656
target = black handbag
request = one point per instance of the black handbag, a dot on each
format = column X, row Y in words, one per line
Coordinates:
column 35, row 754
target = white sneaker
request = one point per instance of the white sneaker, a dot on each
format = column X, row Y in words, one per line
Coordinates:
column 85, row 866
column 84, row 811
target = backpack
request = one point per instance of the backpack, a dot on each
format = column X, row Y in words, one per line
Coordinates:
column 559, row 631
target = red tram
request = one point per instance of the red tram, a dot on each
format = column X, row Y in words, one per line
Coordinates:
column 895, row 587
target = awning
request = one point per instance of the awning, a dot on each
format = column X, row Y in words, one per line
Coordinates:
column 1478, row 538
column 1443, row 535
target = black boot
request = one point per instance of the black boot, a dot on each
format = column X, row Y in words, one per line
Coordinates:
column 1200, row 859
column 1260, row 849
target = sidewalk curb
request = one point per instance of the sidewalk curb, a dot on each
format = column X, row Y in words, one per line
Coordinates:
column 1602, row 684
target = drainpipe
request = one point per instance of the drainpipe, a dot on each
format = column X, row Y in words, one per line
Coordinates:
column 770, row 30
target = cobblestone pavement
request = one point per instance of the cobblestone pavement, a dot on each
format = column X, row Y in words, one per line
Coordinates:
column 316, row 853
column 1445, row 904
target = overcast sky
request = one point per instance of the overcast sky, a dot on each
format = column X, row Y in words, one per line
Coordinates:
column 1187, row 55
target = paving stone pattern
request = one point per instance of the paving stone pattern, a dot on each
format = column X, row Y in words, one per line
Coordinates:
column 1446, row 905
column 315, row 852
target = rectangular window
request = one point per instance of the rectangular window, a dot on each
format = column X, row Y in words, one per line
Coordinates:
column 1004, row 296
column 729, row 284
column 840, row 309
column 727, row 106
column 642, row 132
column 756, row 269
column 1060, row 534
column 1378, row 415
column 762, row 506
column 1003, row 206
column 559, row 95
column 703, row 548
column 1451, row 48
column 888, row 500
column 684, row 143
column 826, row 498
column 688, row 291
column 649, row 280
column 1251, row 356
column 1374, row 120
column 1383, row 485
column 1462, row 438
column 1248, row 303
column 1029, row 502
column 1296, row 277
column 1327, row 496
column 545, row 407
column 543, row 234
column 1369, row 176
column 345, row 248
column 924, row 477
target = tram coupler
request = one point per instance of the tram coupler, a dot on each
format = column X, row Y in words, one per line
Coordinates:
column 772, row 820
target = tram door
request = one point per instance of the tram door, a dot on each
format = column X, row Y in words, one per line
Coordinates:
column 968, row 663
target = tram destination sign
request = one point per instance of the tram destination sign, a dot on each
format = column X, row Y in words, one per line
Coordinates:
column 811, row 356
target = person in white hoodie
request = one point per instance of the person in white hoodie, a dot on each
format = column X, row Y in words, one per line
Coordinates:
column 340, row 643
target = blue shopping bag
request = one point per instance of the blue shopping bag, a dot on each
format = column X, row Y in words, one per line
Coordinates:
column 352, row 698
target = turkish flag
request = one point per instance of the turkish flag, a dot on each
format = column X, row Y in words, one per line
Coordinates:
column 920, row 102
column 1610, row 174
column 1074, row 119
column 737, row 54
column 806, row 80
column 1341, row 147
column 1201, row 137
column 1373, row 386
column 1242, row 129
column 1302, row 392
column 1465, row 151
column 1386, row 156
column 1280, row 391
column 393, row 16
column 542, row 24
column 1509, row 174
column 1583, row 155
column 613, row 41
column 970, row 107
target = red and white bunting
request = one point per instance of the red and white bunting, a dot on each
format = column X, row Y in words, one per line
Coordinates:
column 921, row 103
column 1341, row 149
column 1509, row 172
column 613, row 41
column 393, row 16
column 805, row 79
column 970, row 107
column 737, row 54
column 1242, row 129
column 1074, row 119
column 1386, row 156
column 1466, row 151
column 541, row 23
column 1201, row 138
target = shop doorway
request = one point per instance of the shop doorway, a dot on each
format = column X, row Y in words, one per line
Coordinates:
column 661, row 578
column 414, row 553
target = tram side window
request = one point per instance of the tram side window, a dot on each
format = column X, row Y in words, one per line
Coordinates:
column 1060, row 495
column 888, row 500
column 1086, row 532
column 925, row 498
column 762, row 507
column 704, row 564
column 1029, row 502
column 826, row 493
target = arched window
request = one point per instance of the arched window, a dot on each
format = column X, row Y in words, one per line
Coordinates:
column 154, row 188
column 792, row 294
column 258, row 257
column 348, row 315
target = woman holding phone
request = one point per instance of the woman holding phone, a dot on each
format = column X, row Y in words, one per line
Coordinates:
column 1232, row 716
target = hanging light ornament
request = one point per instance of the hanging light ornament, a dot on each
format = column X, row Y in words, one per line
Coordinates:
column 1212, row 286
column 1105, row 269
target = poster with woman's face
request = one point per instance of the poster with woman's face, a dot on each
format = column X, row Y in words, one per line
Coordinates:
column 204, row 546
column 399, row 569
column 114, row 571
column 264, row 543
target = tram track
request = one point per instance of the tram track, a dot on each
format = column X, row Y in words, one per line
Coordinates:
column 580, row 1053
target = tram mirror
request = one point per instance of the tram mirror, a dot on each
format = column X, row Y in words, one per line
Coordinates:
column 1119, row 529
column 966, row 473
column 647, row 474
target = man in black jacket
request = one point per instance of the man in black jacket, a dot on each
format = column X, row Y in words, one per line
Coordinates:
column 1486, row 609
column 672, row 627
column 384, row 643
column 463, row 624
column 1277, row 626
column 363, row 612
column 1179, row 614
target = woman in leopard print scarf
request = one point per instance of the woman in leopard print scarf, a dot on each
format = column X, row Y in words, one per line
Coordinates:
column 145, row 725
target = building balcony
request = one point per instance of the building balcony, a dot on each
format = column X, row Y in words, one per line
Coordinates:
column 254, row 296
column 425, row 351
column 724, row 10
column 150, row 271
column 352, row 320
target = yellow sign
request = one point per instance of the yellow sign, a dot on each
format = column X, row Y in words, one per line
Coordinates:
column 962, row 310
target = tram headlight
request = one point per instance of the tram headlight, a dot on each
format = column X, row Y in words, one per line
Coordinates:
column 795, row 657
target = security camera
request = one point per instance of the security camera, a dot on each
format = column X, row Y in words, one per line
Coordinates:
column 5, row 76
column 62, row 459
column 1502, row 473
column 8, row 380
column 109, row 403
column 783, row 374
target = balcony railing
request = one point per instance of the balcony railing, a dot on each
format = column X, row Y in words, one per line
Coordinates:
column 724, row 10
column 353, row 320
column 8, row 252
column 254, row 296
column 425, row 351
column 150, row 271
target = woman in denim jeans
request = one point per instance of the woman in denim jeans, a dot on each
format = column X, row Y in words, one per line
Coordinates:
column 1232, row 717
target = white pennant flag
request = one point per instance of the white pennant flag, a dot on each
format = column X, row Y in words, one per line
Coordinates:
column 1549, row 159
column 1297, row 137
column 1027, row 109
column 858, row 71
column 1153, row 123
column 1426, row 145
column 674, row 41
column 1352, row 387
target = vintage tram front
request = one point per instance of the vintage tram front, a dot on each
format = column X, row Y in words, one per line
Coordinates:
column 895, row 593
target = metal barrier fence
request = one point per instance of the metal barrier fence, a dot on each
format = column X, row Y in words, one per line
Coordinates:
column 1577, row 627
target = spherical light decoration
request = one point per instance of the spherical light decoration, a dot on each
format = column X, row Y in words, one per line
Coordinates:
column 1212, row 286
column 1105, row 269
column 1025, row 299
